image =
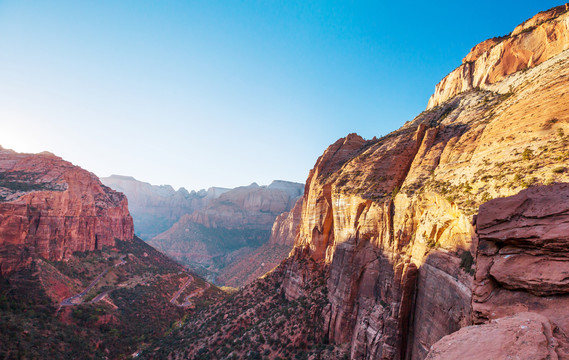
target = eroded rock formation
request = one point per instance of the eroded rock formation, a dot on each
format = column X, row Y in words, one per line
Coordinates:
column 51, row 208
column 523, row 257
column 270, row 254
column 524, row 336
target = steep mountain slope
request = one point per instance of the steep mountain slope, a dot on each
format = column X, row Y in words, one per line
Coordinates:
column 75, row 282
column 389, row 223
column 229, row 229
column 156, row 208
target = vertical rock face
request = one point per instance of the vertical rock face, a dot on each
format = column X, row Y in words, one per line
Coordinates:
column 530, row 44
column 51, row 208
column 156, row 208
column 391, row 219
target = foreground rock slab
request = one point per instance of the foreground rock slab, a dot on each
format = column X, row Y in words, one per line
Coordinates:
column 524, row 336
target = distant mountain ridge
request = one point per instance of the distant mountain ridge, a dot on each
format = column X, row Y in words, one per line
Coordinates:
column 229, row 229
column 155, row 208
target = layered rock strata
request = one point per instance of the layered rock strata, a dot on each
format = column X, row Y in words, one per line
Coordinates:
column 523, row 259
column 531, row 43
column 391, row 219
column 51, row 208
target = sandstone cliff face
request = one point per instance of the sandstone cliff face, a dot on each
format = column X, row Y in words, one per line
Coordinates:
column 392, row 219
column 229, row 230
column 51, row 208
column 156, row 208
column 531, row 43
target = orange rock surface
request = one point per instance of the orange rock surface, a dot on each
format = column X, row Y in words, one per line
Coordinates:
column 531, row 43
column 51, row 208
column 523, row 258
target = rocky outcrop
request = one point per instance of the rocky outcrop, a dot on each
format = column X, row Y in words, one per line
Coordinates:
column 522, row 261
column 524, row 336
column 51, row 208
column 391, row 219
column 531, row 43
column 229, row 230
column 156, row 208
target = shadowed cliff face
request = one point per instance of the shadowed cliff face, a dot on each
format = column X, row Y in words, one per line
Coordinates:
column 51, row 208
column 392, row 218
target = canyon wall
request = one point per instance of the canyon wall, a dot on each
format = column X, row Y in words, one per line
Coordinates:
column 531, row 43
column 51, row 208
column 156, row 208
column 392, row 219
column 520, row 297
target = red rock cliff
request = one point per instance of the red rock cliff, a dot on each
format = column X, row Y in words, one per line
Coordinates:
column 51, row 208
column 391, row 219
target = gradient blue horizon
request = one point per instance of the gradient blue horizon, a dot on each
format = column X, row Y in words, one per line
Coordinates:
column 225, row 93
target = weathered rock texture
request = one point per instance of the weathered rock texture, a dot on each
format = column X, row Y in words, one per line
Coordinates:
column 229, row 230
column 51, row 208
column 531, row 43
column 523, row 258
column 391, row 218
column 156, row 208
column 524, row 336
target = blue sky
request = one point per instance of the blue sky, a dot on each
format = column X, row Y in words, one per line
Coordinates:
column 224, row 93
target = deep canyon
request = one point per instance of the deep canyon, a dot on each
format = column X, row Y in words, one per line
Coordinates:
column 445, row 239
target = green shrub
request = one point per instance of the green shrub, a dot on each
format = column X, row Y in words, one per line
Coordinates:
column 527, row 154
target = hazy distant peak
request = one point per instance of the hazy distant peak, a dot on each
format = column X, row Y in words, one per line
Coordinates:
column 122, row 177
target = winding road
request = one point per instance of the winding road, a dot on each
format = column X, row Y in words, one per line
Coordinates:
column 193, row 294
column 76, row 299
